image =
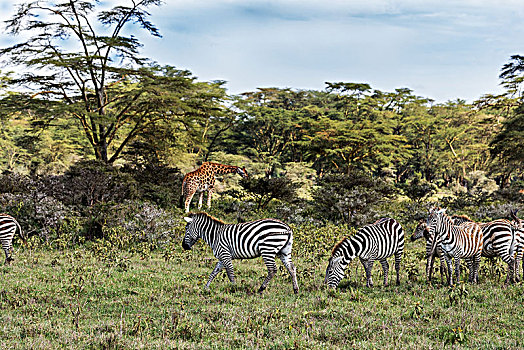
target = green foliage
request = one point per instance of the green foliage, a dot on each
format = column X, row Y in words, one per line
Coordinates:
column 264, row 189
column 350, row 198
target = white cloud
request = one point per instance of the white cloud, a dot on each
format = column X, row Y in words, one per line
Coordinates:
column 442, row 49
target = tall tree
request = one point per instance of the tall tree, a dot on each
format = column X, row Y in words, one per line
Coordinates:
column 81, row 65
column 507, row 145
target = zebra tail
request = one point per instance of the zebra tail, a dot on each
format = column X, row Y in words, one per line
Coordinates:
column 287, row 242
column 21, row 233
column 514, row 242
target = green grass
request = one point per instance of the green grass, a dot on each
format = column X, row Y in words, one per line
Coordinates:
column 51, row 299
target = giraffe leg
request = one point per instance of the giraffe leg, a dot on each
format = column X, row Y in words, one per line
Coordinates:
column 215, row 272
column 269, row 260
column 385, row 268
column 189, row 197
column 200, row 199
column 286, row 260
column 209, row 194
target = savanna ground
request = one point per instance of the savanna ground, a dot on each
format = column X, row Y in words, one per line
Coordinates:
column 97, row 296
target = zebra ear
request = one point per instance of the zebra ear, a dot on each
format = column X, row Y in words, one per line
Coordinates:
column 188, row 219
column 337, row 259
column 442, row 211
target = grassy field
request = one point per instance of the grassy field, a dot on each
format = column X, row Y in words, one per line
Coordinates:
column 75, row 299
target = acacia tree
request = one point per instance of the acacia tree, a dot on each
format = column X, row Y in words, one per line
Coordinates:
column 79, row 64
column 508, row 108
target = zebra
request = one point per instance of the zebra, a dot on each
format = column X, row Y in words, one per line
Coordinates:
column 498, row 240
column 8, row 227
column 266, row 237
column 422, row 231
column 455, row 242
column 518, row 227
column 377, row 241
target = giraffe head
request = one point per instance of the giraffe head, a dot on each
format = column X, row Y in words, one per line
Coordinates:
column 242, row 172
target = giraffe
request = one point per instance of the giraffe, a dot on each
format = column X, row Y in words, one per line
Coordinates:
column 203, row 179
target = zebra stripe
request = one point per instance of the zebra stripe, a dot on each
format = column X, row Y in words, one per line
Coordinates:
column 8, row 227
column 498, row 240
column 377, row 241
column 422, row 231
column 456, row 242
column 267, row 238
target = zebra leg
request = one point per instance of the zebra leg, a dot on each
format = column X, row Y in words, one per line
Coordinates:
column 398, row 259
column 7, row 257
column 286, row 260
column 385, row 268
column 510, row 278
column 368, row 266
column 430, row 260
column 457, row 270
column 271, row 271
column 8, row 254
column 228, row 264
column 443, row 270
column 470, row 262
column 476, row 266
column 450, row 271
column 215, row 272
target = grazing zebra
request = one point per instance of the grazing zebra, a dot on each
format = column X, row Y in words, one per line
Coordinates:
column 422, row 231
column 518, row 226
column 498, row 240
column 377, row 241
column 267, row 238
column 8, row 226
column 455, row 242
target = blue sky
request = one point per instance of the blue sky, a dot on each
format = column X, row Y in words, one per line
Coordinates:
column 440, row 49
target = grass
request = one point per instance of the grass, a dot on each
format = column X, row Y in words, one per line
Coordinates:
column 73, row 299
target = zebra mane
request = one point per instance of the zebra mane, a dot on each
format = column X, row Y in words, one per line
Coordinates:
column 206, row 215
column 338, row 245
column 461, row 217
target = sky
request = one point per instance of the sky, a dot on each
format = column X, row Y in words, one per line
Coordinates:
column 441, row 49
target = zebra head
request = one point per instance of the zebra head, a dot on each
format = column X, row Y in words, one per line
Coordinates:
column 342, row 255
column 242, row 172
column 420, row 231
column 335, row 271
column 191, row 236
column 434, row 226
